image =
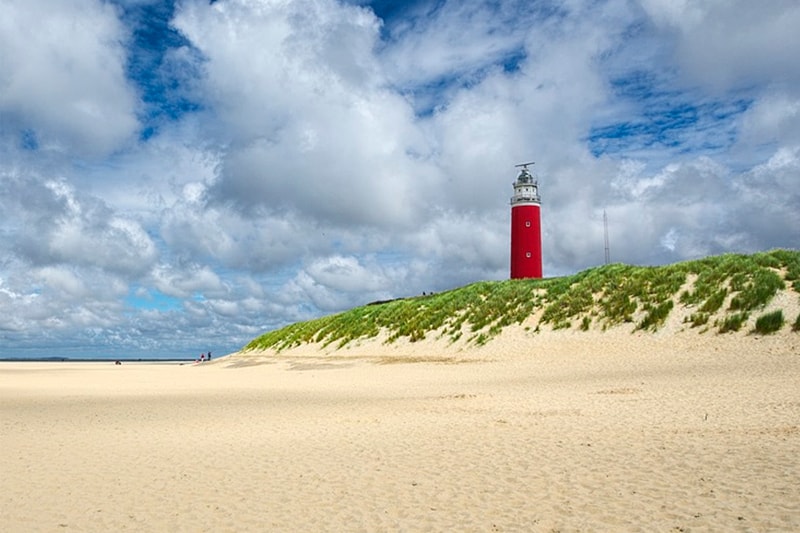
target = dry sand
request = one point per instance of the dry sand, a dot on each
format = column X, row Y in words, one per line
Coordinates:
column 565, row 432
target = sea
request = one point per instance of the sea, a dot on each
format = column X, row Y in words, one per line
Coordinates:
column 78, row 355
column 62, row 359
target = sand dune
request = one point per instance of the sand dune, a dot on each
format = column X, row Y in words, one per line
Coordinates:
column 567, row 432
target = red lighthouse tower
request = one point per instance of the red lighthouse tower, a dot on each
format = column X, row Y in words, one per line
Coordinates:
column 526, row 227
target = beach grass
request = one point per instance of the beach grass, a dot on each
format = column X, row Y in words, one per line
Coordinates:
column 726, row 288
column 769, row 322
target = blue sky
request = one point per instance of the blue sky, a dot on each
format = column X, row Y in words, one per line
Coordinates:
column 178, row 177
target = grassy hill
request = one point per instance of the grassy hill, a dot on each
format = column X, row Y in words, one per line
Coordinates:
column 718, row 294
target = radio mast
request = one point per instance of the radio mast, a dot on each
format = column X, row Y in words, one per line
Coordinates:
column 605, row 237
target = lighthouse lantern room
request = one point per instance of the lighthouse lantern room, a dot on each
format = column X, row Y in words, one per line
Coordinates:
column 526, row 230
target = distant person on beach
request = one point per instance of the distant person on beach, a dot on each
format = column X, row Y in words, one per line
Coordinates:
column 209, row 357
column 202, row 357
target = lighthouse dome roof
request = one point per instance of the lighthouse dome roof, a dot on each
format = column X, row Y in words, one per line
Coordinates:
column 524, row 176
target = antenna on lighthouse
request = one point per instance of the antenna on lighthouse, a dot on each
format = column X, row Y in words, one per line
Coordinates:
column 524, row 174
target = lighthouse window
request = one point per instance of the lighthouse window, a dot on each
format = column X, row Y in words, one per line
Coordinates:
column 527, row 223
column 527, row 254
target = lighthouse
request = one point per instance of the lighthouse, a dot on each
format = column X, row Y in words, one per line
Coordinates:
column 526, row 227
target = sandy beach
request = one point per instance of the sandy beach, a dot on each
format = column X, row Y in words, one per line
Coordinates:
column 566, row 432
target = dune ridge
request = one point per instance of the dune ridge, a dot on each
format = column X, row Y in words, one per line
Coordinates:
column 730, row 293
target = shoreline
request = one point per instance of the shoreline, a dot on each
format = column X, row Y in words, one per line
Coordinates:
column 91, row 360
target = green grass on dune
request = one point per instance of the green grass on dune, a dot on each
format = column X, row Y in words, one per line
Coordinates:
column 728, row 287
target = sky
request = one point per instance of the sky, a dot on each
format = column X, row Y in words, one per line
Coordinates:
column 182, row 176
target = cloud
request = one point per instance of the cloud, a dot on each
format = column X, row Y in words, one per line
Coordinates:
column 309, row 127
column 775, row 118
column 769, row 201
column 732, row 43
column 336, row 282
column 63, row 85
column 188, row 282
column 450, row 40
column 50, row 223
